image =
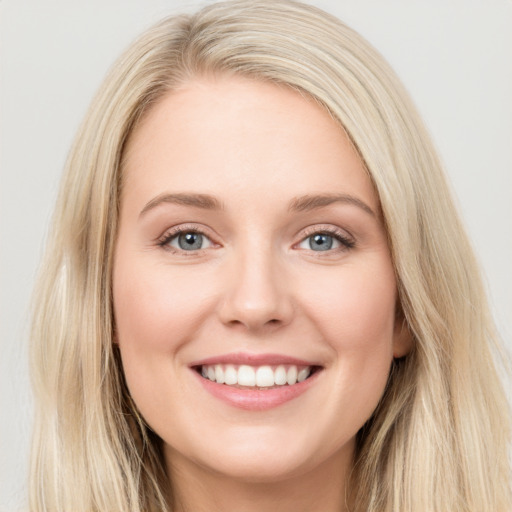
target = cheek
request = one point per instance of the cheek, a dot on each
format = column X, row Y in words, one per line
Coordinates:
column 355, row 315
column 156, row 312
column 156, row 309
column 354, row 309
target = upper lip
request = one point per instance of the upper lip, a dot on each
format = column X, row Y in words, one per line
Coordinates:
column 240, row 358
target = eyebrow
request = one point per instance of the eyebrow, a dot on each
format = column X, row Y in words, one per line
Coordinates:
column 313, row 202
column 203, row 201
column 298, row 204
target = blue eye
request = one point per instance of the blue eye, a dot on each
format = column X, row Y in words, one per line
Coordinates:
column 321, row 242
column 188, row 241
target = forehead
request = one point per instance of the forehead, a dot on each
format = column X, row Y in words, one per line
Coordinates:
column 231, row 134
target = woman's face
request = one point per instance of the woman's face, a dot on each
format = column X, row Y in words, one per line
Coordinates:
column 251, row 250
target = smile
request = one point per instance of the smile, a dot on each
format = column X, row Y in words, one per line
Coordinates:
column 256, row 382
column 256, row 377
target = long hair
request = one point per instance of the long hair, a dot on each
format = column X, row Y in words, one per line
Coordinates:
column 438, row 440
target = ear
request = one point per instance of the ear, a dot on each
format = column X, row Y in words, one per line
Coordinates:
column 402, row 337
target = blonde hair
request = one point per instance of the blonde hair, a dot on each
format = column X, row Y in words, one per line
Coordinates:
column 438, row 440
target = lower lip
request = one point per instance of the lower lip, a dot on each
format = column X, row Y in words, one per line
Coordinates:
column 257, row 399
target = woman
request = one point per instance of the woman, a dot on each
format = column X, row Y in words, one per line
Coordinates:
column 194, row 349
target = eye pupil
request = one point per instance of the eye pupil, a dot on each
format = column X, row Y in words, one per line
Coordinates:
column 320, row 242
column 190, row 241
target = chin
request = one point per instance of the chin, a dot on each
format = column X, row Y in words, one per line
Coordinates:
column 266, row 456
column 264, row 469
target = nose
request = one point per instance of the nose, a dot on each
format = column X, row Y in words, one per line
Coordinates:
column 257, row 294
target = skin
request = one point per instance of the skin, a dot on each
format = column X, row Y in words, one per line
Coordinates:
column 255, row 286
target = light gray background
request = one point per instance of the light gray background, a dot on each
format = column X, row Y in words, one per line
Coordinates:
column 455, row 57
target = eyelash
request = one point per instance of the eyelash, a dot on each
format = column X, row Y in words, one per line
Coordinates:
column 164, row 241
column 346, row 242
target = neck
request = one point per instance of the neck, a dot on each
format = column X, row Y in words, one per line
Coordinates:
column 199, row 489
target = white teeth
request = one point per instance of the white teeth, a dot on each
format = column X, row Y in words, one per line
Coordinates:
column 246, row 376
column 291, row 375
column 303, row 374
column 230, row 375
column 264, row 377
column 280, row 375
column 261, row 376
column 219, row 374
